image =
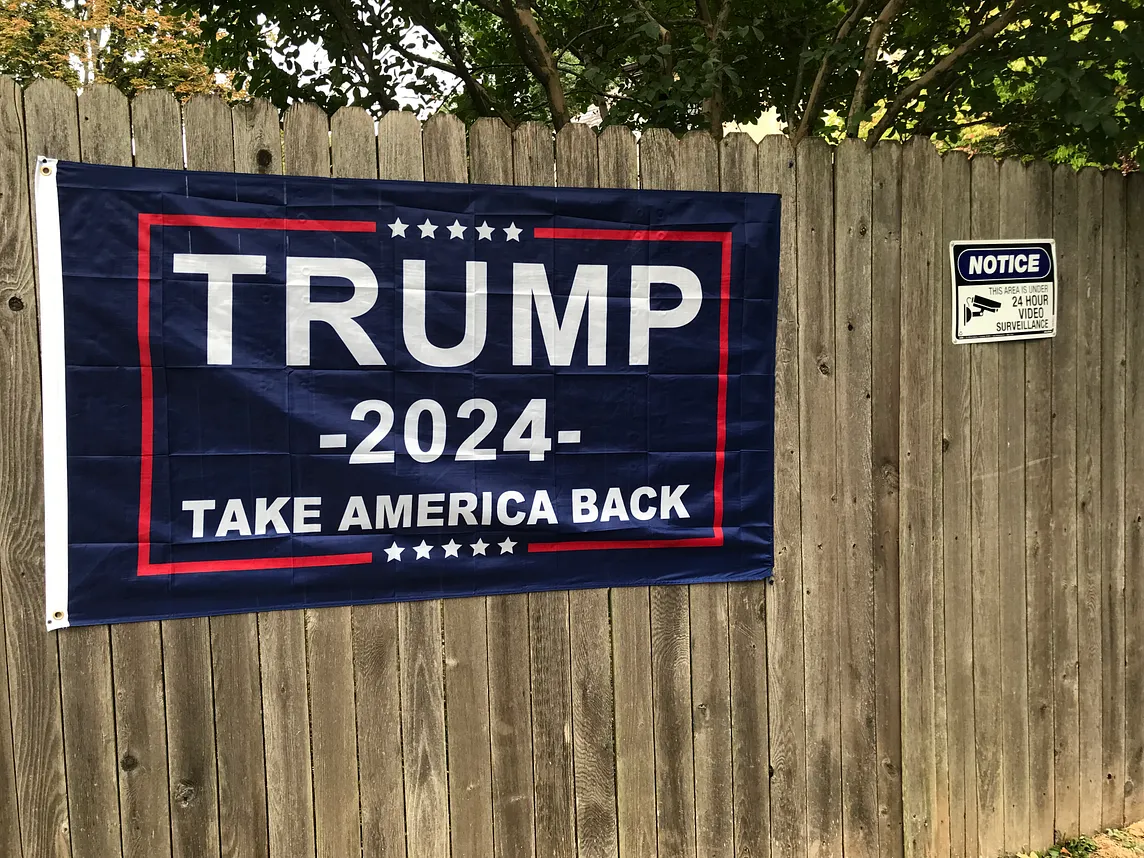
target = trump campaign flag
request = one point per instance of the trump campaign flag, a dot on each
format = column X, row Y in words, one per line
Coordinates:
column 267, row 392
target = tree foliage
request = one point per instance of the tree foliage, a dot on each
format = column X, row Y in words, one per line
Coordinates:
column 133, row 44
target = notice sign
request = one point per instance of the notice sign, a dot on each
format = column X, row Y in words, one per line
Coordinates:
column 269, row 392
column 1003, row 290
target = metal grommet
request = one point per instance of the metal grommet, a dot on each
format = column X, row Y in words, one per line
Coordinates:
column 46, row 169
column 58, row 615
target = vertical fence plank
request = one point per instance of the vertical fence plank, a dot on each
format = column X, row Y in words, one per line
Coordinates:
column 958, row 577
column 1066, row 727
column 853, row 176
column 919, row 161
column 33, row 686
column 534, row 164
column 746, row 616
column 329, row 631
column 885, row 406
column 670, row 623
column 466, row 654
column 211, row 139
column 9, row 808
column 1133, row 510
column 1011, row 546
column 137, row 648
column 376, row 650
column 282, row 634
column 1112, row 410
column 85, row 653
column 1038, row 524
column 698, row 165
column 940, row 313
column 984, row 178
column 1090, row 205
column 820, row 508
column 419, row 630
column 786, row 706
column 593, row 702
column 631, row 624
column 423, row 729
column 509, row 671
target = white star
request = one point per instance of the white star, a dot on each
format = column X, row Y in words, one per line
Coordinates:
column 456, row 230
column 479, row 547
column 393, row 552
column 450, row 548
column 397, row 228
column 512, row 232
column 506, row 546
column 428, row 229
column 485, row 232
column 422, row 550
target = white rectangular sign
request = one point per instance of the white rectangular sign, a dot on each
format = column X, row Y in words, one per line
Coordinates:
column 1004, row 289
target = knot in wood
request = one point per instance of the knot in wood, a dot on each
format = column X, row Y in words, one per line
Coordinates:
column 184, row 793
column 824, row 367
column 128, row 763
column 264, row 159
column 15, row 304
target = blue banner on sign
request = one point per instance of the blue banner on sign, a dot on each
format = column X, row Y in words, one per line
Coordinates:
column 284, row 392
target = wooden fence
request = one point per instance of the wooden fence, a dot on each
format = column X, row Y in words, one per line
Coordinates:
column 948, row 661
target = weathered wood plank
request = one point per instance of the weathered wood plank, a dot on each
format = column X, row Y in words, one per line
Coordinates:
column 1066, row 725
column 1038, row 527
column 233, row 640
column 33, row 681
column 984, row 177
column 958, row 573
column 746, row 617
column 631, row 623
column 1011, row 546
column 84, row 653
column 853, row 177
column 9, row 808
column 466, row 641
column 885, row 327
column 329, row 631
column 509, row 672
column 423, row 729
column 660, row 155
column 1090, row 211
column 376, row 650
column 820, row 507
column 1112, row 448
column 192, row 791
column 939, row 308
column 919, row 161
column 286, row 723
column 550, row 680
column 786, row 707
column 137, row 648
column 1134, row 510
column 698, row 163
column 593, row 701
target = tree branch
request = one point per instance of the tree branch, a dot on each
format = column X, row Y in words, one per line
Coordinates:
column 873, row 48
column 364, row 54
column 819, row 84
column 482, row 98
column 537, row 56
column 947, row 63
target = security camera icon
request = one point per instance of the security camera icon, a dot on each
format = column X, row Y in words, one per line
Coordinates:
column 977, row 305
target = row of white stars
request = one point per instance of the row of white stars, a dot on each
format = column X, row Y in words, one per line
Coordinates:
column 457, row 230
column 451, row 549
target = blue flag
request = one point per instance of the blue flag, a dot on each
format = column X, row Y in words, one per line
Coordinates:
column 267, row 392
